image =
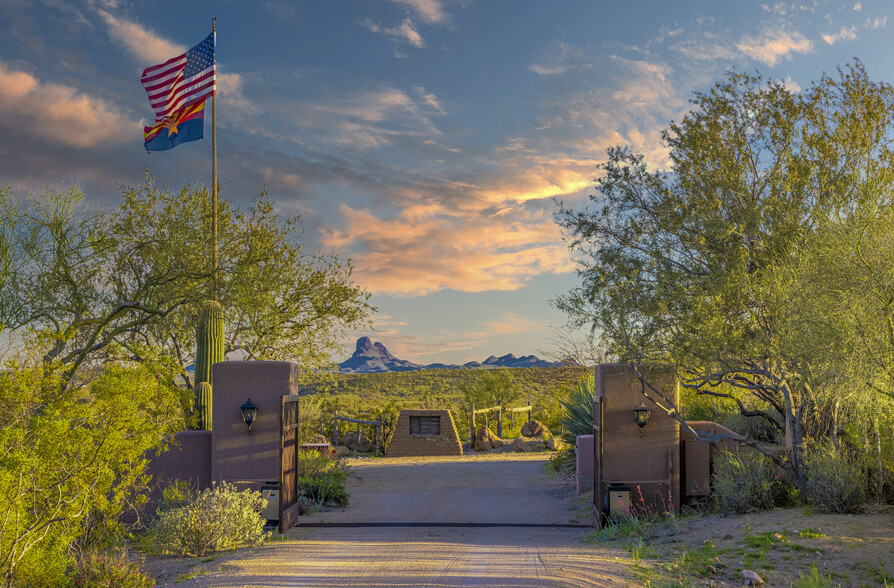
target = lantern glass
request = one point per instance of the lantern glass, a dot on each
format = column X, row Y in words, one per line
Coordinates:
column 249, row 412
column 641, row 414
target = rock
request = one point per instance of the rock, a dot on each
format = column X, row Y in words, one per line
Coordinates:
column 360, row 443
column 534, row 428
column 527, row 444
column 555, row 444
column 751, row 578
column 712, row 570
column 318, row 438
column 485, row 440
column 340, row 451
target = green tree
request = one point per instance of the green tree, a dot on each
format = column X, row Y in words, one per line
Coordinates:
column 681, row 268
column 80, row 281
column 89, row 286
column 73, row 460
column 280, row 303
column 491, row 388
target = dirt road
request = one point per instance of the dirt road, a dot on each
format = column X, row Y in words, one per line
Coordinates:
column 489, row 489
column 497, row 490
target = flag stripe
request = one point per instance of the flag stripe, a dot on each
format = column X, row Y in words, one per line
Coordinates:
column 179, row 84
column 181, row 80
column 198, row 94
column 163, row 81
column 154, row 68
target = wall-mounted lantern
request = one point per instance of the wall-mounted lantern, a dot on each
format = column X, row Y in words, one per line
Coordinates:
column 249, row 412
column 641, row 415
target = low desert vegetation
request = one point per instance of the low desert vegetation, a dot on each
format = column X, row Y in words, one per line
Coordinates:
column 367, row 396
column 98, row 311
column 216, row 519
column 321, row 481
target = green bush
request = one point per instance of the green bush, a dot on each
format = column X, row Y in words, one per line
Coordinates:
column 836, row 481
column 577, row 418
column 109, row 569
column 321, row 481
column 73, row 461
column 747, row 481
column 753, row 427
column 216, row 519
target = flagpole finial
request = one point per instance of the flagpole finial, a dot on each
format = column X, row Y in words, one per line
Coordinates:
column 213, row 23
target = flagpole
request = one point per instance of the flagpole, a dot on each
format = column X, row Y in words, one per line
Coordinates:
column 214, row 174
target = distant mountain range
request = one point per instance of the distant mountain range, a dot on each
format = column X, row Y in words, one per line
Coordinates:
column 372, row 357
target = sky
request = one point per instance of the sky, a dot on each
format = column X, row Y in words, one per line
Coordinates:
column 429, row 141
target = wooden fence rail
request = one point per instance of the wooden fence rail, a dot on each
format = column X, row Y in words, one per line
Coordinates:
column 377, row 423
column 499, row 410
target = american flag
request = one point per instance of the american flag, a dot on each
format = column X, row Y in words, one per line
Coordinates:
column 181, row 80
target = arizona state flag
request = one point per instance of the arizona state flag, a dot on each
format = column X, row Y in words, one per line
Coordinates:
column 182, row 126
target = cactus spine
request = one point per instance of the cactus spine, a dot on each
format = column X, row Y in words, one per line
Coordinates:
column 209, row 350
column 203, row 406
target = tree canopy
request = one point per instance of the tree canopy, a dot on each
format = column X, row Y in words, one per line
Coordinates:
column 99, row 308
column 692, row 269
column 88, row 286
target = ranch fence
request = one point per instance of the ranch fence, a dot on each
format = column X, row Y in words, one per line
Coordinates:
column 376, row 423
column 499, row 410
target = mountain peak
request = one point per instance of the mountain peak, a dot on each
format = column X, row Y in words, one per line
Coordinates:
column 364, row 346
column 372, row 357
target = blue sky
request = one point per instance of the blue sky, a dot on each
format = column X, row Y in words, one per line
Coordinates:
column 427, row 140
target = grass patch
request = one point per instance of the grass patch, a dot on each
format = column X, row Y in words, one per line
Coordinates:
column 696, row 562
column 813, row 579
column 811, row 534
column 879, row 575
column 189, row 576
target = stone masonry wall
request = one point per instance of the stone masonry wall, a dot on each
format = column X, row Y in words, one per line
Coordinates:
column 404, row 444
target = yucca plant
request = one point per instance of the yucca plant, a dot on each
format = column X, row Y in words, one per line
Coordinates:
column 577, row 417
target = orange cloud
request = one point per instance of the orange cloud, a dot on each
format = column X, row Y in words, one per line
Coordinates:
column 144, row 44
column 59, row 113
column 422, row 250
column 774, row 45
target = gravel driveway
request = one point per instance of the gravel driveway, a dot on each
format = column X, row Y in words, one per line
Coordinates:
column 446, row 522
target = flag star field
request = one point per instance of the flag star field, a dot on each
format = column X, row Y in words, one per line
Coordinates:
column 426, row 140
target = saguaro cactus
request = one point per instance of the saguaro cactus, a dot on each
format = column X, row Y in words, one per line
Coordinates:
column 209, row 340
column 209, row 350
column 203, row 406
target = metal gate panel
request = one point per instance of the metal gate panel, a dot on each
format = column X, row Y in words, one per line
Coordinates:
column 288, row 469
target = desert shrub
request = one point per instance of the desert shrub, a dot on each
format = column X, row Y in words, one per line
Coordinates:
column 746, row 480
column 109, row 569
column 577, row 418
column 641, row 519
column 836, row 481
column 321, row 481
column 757, row 428
column 389, row 415
column 322, row 491
column 216, row 519
column 73, row 460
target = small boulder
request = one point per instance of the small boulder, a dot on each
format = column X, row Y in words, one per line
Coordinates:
column 556, row 444
column 526, row 444
column 752, row 578
column 360, row 443
column 485, row 440
column 534, row 428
